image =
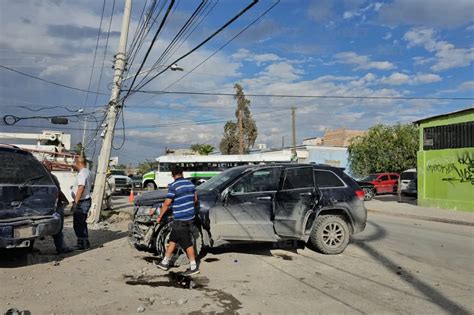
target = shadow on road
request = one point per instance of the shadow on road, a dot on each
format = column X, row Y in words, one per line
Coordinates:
column 44, row 251
column 394, row 198
column 431, row 293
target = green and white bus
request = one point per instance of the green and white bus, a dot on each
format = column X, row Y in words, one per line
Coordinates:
column 204, row 166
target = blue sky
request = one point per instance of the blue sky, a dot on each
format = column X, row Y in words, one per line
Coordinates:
column 401, row 48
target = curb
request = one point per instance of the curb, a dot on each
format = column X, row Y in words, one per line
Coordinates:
column 421, row 217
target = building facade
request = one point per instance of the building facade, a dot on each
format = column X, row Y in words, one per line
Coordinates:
column 445, row 161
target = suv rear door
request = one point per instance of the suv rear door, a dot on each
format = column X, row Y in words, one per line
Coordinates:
column 296, row 196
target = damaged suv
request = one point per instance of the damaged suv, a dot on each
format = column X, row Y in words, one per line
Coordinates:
column 28, row 198
column 317, row 204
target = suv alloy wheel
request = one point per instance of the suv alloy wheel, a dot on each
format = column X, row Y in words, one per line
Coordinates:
column 330, row 234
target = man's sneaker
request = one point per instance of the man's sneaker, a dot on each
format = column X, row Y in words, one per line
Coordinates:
column 163, row 266
column 64, row 250
column 190, row 272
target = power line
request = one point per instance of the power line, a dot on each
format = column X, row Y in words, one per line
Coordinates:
column 51, row 82
column 95, row 51
column 310, row 96
column 151, row 45
column 232, row 20
column 225, row 44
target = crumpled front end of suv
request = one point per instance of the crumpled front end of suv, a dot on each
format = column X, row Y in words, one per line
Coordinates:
column 146, row 211
column 27, row 213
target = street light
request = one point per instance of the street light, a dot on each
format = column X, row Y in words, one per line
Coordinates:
column 173, row 67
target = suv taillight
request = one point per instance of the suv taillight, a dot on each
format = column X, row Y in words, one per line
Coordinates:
column 360, row 194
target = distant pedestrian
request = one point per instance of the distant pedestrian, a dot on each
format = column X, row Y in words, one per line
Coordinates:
column 58, row 238
column 81, row 193
column 182, row 195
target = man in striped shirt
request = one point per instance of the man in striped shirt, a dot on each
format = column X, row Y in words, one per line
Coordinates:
column 182, row 195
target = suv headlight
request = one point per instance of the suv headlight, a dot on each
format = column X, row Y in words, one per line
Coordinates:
column 148, row 210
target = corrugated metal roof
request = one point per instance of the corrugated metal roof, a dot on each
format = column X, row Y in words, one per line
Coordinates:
column 442, row 115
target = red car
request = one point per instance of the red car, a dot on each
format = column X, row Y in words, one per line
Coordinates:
column 383, row 182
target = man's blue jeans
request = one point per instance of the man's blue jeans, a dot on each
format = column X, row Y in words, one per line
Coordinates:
column 79, row 221
column 59, row 237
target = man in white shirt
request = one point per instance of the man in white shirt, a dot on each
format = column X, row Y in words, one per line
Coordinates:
column 81, row 193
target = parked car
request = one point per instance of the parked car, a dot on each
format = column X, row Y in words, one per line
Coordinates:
column 320, row 205
column 136, row 181
column 408, row 182
column 28, row 198
column 119, row 182
column 368, row 188
column 383, row 182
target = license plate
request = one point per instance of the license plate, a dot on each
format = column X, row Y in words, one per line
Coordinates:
column 6, row 231
column 24, row 231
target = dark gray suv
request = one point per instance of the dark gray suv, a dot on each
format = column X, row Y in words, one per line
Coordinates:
column 316, row 204
column 28, row 198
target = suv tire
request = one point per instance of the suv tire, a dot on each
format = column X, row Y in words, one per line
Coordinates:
column 179, row 257
column 330, row 234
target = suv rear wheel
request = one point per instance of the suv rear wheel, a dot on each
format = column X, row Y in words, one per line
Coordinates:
column 330, row 234
column 179, row 257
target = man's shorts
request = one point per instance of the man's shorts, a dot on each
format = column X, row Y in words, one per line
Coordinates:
column 181, row 233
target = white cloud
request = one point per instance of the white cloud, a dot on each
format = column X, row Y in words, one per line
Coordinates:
column 431, row 13
column 470, row 28
column 259, row 59
column 387, row 36
column 447, row 55
column 467, row 86
column 362, row 62
column 398, row 78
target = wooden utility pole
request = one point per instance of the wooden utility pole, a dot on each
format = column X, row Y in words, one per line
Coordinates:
column 114, row 107
column 241, row 131
column 293, row 132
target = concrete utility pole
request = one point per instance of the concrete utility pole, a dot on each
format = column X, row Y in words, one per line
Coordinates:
column 114, row 107
column 241, row 132
column 293, row 132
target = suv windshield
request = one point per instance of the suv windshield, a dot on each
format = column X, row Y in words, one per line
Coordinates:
column 369, row 178
column 19, row 168
column 408, row 176
column 117, row 172
column 219, row 181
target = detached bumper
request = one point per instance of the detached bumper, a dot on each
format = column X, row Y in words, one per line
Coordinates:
column 20, row 232
column 140, row 235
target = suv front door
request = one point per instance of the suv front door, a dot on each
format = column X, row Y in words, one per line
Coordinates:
column 295, row 198
column 247, row 208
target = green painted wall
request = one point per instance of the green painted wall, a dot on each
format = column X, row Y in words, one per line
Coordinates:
column 446, row 177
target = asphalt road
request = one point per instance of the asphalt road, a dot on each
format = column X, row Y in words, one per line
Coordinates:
column 398, row 265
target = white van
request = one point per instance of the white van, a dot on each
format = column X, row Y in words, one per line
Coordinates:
column 408, row 182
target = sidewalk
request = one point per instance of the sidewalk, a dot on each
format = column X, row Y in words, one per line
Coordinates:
column 388, row 205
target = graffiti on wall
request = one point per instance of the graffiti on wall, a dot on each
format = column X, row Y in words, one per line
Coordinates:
column 461, row 170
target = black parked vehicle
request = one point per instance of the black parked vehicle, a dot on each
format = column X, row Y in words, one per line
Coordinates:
column 317, row 204
column 28, row 198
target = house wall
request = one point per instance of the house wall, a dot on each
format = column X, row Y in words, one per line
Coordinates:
column 446, row 177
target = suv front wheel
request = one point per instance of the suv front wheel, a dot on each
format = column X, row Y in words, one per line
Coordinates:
column 330, row 234
column 179, row 257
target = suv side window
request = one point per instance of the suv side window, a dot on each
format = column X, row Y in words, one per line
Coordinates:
column 326, row 179
column 259, row 180
column 384, row 177
column 299, row 177
column 393, row 176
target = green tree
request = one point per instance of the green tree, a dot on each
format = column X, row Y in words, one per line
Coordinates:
column 147, row 166
column 202, row 149
column 384, row 149
column 230, row 140
column 121, row 167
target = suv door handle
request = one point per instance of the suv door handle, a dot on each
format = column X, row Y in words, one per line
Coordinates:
column 264, row 198
column 306, row 194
